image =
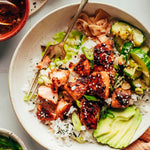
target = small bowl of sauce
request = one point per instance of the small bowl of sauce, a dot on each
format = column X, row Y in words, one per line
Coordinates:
column 10, row 141
column 13, row 16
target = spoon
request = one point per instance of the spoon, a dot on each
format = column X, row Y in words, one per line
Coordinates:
column 5, row 23
column 12, row 7
column 8, row 3
column 56, row 50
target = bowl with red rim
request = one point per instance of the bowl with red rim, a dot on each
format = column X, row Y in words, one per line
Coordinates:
column 13, row 17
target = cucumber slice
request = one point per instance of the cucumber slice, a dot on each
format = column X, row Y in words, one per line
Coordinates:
column 128, row 32
column 118, row 43
column 132, row 73
column 145, row 49
column 126, row 49
column 146, row 79
column 121, row 29
column 137, row 37
column 142, row 59
column 139, row 83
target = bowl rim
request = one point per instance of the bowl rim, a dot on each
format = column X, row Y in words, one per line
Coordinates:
column 24, row 37
column 18, row 27
column 8, row 133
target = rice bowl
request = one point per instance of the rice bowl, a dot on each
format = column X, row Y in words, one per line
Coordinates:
column 30, row 58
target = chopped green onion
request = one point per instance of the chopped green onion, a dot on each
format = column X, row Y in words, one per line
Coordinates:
column 91, row 64
column 59, row 36
column 110, row 114
column 9, row 144
column 106, row 113
column 131, row 63
column 76, row 122
column 116, row 66
column 47, row 46
column 78, row 103
column 88, row 53
column 80, row 139
column 91, row 98
column 28, row 98
column 56, row 60
column 138, row 91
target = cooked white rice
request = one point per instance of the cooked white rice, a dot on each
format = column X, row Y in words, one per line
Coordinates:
column 64, row 130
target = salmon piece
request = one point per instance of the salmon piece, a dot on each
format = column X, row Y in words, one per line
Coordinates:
column 89, row 113
column 99, row 83
column 76, row 89
column 83, row 66
column 47, row 93
column 44, row 114
column 98, row 68
column 112, row 74
column 103, row 55
column 121, row 98
column 44, row 64
column 62, row 108
column 66, row 97
column 59, row 77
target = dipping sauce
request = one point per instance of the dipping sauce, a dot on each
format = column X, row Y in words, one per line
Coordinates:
column 12, row 15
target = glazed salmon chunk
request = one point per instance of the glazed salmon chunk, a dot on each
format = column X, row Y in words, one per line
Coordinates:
column 44, row 63
column 99, row 83
column 60, row 77
column 83, row 66
column 121, row 98
column 47, row 93
column 76, row 89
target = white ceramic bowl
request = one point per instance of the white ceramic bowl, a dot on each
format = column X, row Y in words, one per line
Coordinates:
column 29, row 50
column 9, row 134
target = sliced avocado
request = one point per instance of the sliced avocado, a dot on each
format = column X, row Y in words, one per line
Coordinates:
column 105, row 125
column 106, row 137
column 123, row 113
column 142, row 59
column 123, row 126
column 124, row 142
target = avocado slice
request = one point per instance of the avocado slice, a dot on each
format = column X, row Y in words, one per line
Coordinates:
column 129, row 135
column 123, row 126
column 104, row 124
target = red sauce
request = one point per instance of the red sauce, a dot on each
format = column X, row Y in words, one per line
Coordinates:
column 8, row 14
